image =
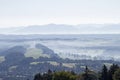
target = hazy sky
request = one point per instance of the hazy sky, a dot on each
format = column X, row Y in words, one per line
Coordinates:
column 39, row 12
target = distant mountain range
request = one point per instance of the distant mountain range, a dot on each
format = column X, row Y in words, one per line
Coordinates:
column 64, row 29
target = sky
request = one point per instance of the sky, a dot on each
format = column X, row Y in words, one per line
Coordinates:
column 14, row 13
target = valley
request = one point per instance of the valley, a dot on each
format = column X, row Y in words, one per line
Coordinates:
column 22, row 56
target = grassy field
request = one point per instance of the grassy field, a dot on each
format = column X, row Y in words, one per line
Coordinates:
column 35, row 53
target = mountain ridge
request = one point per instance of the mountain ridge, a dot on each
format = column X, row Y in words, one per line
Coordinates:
column 64, row 29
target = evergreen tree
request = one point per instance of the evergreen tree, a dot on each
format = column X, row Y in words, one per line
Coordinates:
column 49, row 75
column 116, row 75
column 63, row 75
column 112, row 70
column 38, row 77
column 86, row 73
column 104, row 73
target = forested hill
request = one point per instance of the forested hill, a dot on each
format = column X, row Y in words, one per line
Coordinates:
column 111, row 73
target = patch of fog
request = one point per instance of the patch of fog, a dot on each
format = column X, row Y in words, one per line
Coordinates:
column 69, row 47
column 75, row 43
column 31, row 44
column 89, row 47
column 89, row 52
column 92, row 48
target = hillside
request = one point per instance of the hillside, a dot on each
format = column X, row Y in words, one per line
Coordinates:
column 22, row 56
column 25, row 61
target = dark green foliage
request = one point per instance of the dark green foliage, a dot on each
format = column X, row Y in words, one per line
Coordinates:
column 116, row 75
column 63, row 75
column 88, row 74
column 45, row 76
column 104, row 73
column 112, row 70
column 38, row 77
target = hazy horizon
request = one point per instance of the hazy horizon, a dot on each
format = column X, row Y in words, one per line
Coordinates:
column 15, row 13
column 64, row 29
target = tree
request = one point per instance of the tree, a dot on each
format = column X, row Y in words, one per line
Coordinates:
column 63, row 75
column 38, row 77
column 116, row 75
column 104, row 73
column 45, row 76
column 49, row 75
column 88, row 75
column 112, row 70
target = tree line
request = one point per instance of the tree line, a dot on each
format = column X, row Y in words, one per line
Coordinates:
column 111, row 73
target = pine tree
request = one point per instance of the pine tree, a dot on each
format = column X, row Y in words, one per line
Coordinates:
column 116, row 75
column 38, row 77
column 104, row 73
column 86, row 73
column 112, row 70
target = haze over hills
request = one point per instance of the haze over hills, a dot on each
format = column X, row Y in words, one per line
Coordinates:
column 64, row 29
column 59, row 35
column 25, row 55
